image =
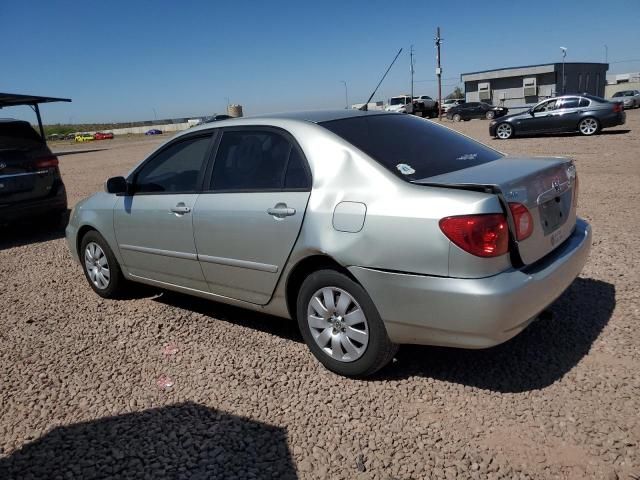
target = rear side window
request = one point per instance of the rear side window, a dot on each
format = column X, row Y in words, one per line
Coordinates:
column 410, row 147
column 17, row 133
column 584, row 102
column 572, row 102
column 257, row 160
column 174, row 169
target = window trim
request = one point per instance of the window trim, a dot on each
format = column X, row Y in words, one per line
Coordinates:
column 265, row 128
column 212, row 134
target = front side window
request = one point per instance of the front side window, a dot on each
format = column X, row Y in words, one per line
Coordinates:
column 399, row 143
column 175, row 169
column 257, row 160
column 547, row 106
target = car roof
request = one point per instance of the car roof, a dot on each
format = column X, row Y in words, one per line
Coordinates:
column 318, row 116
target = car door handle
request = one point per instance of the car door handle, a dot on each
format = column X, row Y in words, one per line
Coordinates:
column 180, row 209
column 281, row 210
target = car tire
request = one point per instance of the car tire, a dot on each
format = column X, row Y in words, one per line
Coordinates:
column 325, row 301
column 504, row 131
column 589, row 126
column 99, row 263
column 490, row 115
column 456, row 117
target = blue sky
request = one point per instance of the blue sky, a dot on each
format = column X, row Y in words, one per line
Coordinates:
column 119, row 60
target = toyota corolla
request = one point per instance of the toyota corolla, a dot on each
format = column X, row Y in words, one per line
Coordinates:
column 370, row 229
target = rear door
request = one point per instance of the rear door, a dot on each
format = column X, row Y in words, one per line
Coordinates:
column 154, row 225
column 27, row 166
column 567, row 115
column 249, row 214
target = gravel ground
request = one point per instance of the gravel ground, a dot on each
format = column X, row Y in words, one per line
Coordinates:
column 167, row 386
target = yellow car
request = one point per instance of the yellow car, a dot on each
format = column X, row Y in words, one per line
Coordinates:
column 84, row 137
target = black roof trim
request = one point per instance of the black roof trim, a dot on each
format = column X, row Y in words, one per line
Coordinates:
column 15, row 99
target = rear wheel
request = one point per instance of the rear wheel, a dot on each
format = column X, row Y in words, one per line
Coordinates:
column 588, row 126
column 490, row 115
column 341, row 325
column 457, row 117
column 100, row 266
column 504, row 131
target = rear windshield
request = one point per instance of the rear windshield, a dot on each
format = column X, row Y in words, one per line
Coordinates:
column 410, row 147
column 13, row 134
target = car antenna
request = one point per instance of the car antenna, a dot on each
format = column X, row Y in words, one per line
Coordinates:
column 365, row 107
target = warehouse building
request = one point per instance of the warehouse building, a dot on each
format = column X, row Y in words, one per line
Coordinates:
column 519, row 88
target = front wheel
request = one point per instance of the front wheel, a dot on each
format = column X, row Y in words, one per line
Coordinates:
column 504, row 131
column 341, row 325
column 490, row 115
column 457, row 117
column 100, row 266
column 588, row 126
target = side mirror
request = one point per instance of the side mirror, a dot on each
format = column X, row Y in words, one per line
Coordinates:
column 531, row 112
column 117, row 185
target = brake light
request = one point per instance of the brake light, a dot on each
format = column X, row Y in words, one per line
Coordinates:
column 522, row 220
column 617, row 107
column 47, row 162
column 480, row 235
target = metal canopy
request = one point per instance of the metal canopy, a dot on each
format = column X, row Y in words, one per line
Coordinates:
column 15, row 99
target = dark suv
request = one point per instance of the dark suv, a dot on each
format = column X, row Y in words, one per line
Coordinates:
column 30, row 181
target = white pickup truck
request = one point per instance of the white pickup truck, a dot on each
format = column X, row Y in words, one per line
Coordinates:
column 422, row 105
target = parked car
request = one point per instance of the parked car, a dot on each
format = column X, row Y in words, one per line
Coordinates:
column 449, row 103
column 422, row 105
column 629, row 98
column 103, row 136
column 586, row 114
column 400, row 104
column 70, row 136
column 217, row 118
column 30, row 181
column 469, row 110
column 380, row 246
column 153, row 131
column 84, row 137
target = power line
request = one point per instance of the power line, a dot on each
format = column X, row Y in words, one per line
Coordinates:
column 627, row 61
column 448, row 78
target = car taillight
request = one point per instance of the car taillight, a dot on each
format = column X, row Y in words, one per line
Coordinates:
column 484, row 235
column 522, row 220
column 617, row 107
column 47, row 162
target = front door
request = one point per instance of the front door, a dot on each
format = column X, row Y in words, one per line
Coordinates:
column 154, row 225
column 567, row 115
column 539, row 119
column 249, row 214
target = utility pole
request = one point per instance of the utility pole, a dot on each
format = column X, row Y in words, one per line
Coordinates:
column 346, row 95
column 564, row 54
column 411, row 55
column 439, row 73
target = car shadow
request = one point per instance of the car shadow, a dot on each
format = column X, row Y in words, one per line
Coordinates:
column 539, row 356
column 270, row 324
column 179, row 441
column 36, row 230
column 84, row 150
column 567, row 134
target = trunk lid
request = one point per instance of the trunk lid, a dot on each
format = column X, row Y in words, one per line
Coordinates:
column 544, row 185
column 21, row 178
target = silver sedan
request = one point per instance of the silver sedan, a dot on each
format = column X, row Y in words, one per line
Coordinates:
column 370, row 229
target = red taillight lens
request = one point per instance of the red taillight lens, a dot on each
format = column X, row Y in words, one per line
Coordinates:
column 47, row 162
column 480, row 235
column 617, row 107
column 522, row 219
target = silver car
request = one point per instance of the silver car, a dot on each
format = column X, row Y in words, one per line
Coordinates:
column 371, row 229
column 629, row 98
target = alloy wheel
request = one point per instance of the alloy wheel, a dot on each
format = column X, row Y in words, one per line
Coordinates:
column 457, row 117
column 338, row 324
column 96, row 265
column 504, row 131
column 588, row 126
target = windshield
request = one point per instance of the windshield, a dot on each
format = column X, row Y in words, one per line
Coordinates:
column 410, row 147
column 398, row 101
column 623, row 94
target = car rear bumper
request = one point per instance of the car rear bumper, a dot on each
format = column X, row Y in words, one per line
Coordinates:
column 614, row 119
column 33, row 208
column 473, row 313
